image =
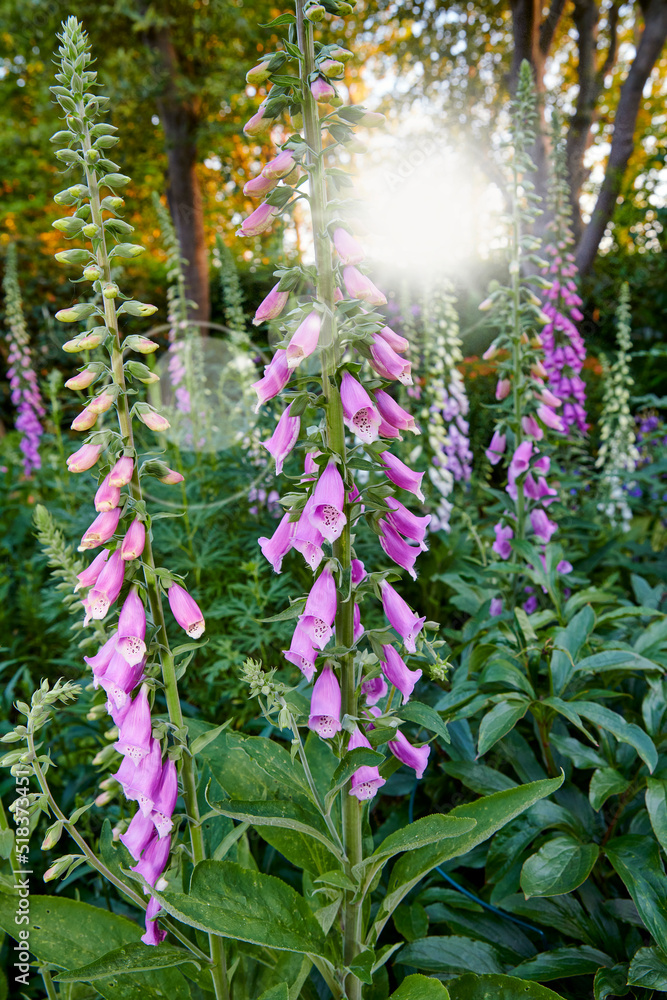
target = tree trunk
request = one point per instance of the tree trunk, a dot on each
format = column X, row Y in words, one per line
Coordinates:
column 649, row 48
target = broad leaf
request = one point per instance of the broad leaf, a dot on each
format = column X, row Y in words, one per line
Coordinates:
column 276, row 993
column 427, row 830
column 561, row 865
column 637, row 860
column 649, row 969
column 491, row 987
column 420, row 988
column 605, row 782
column 283, row 813
column 563, row 962
column 249, row 906
column 568, row 642
column 502, row 718
column 131, row 958
column 656, row 803
column 626, row 732
column 450, row 955
column 616, row 659
column 611, row 982
column 426, row 717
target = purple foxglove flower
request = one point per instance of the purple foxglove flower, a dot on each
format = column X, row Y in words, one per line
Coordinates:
column 347, row 248
column 386, row 430
column 366, row 780
column 374, row 689
column 400, row 617
column 302, row 653
column 358, row 627
column 120, row 678
column 280, row 166
column 325, row 705
column 322, row 90
column 403, row 554
column 564, row 567
column 326, row 513
column 549, row 418
column 502, row 546
column 542, row 464
column 132, row 629
column 186, row 611
column 275, row 549
column 88, row 576
column 121, row 474
column 414, row 757
column 99, row 663
column 84, row 420
column 354, row 497
column 258, row 186
column 304, row 340
column 138, row 834
column 283, row 438
column 398, row 674
column 84, row 458
column 310, row 466
column 542, row 526
column 272, row 306
column 496, row 449
column 141, row 781
column 307, row 538
column 276, row 377
column 165, row 799
column 393, row 413
column 389, row 364
column 395, row 341
column 107, row 587
column 503, row 388
column 135, row 539
column 358, row 572
column 358, row 411
column 134, row 740
column 530, row 606
column 153, row 936
column 402, row 475
column 258, row 124
column 320, row 610
column 547, row 397
column 496, row 607
column 521, row 459
column 107, row 496
column 532, row 428
column 410, row 525
column 154, row 859
column 359, row 286
column 258, row 221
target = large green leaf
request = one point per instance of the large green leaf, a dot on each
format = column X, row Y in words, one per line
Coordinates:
column 490, row 813
column 611, row 982
column 67, row 933
column 616, row 659
column 606, row 781
column 450, row 955
column 626, row 732
column 285, row 814
column 637, row 861
column 427, row 830
column 656, row 803
column 561, row 865
column 649, row 968
column 131, row 958
column 248, row 906
column 276, row 993
column 563, row 962
column 425, row 716
column 568, row 642
column 491, row 987
column 420, row 988
column 502, row 718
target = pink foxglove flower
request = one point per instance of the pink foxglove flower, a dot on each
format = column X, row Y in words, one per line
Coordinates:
column 328, row 497
column 103, row 657
column 366, row 780
column 302, row 653
column 325, row 705
column 258, row 221
column 132, row 629
column 496, row 449
column 186, row 611
column 398, row 674
column 153, row 860
column 496, row 607
column 564, row 567
column 304, row 340
column 280, row 166
column 414, row 757
column 374, row 689
column 258, row 186
column 322, row 90
column 358, row 572
column 402, row 475
column 102, row 403
column 107, row 587
column 347, row 248
column 388, row 364
column 82, row 379
column 85, row 458
column 408, row 524
column 393, row 413
column 403, row 554
column 138, row 834
column 359, row 286
column 101, row 530
column 276, row 377
column 141, row 781
column 165, row 799
column 400, row 616
column 171, row 478
column 135, row 539
column 88, row 576
column 283, row 438
column 84, row 420
column 307, row 538
column 107, row 496
column 359, row 413
column 386, row 430
column 134, row 740
column 521, row 459
column 542, row 526
column 119, row 679
column 531, row 427
column 320, row 610
column 154, row 420
column 272, row 306
column 121, row 473
column 153, row 936
column 503, row 388
column 549, row 418
column 358, row 628
column 395, row 341
column 275, row 549
column 502, row 546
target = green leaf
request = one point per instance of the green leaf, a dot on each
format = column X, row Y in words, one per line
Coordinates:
column 288, row 614
column 648, row 968
column 248, row 906
column 420, row 988
column 471, row 987
column 490, row 813
column 625, row 732
column 616, row 659
column 282, row 813
column 277, row 22
column 425, row 716
column 611, row 982
column 525, row 625
column 656, row 803
column 362, row 965
column 131, row 958
column 605, row 782
column 568, row 643
column 497, row 723
column 203, row 741
column 560, row 865
column 450, row 955
column 637, row 860
column 563, row 962
column 427, row 830
column 276, row 993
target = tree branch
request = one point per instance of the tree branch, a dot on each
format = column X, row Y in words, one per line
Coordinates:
column 550, row 24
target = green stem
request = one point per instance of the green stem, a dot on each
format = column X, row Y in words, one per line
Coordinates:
column 188, row 776
column 317, row 798
column 48, row 984
column 335, row 430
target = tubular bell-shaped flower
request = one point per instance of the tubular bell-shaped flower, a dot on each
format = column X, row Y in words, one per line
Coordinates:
column 320, row 609
column 398, row 614
column 283, row 438
column 186, row 611
column 275, row 549
column 414, row 757
column 361, row 416
column 398, row 674
column 326, row 513
column 366, row 780
column 325, row 705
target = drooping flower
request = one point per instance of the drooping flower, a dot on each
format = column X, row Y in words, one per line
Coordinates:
column 107, row 587
column 360, row 286
column 398, row 674
column 302, row 653
column 542, row 526
column 276, row 376
column 408, row 524
column 403, row 554
column 325, row 705
column 304, row 340
column 374, row 689
column 283, row 438
column 272, row 306
column 258, row 221
column 320, row 609
column 132, row 629
column 366, row 780
column 186, row 611
column 133, row 544
column 496, row 607
column 402, row 475
column 496, row 449
column 165, row 799
column 275, row 549
column 134, row 740
column 502, row 546
column 400, row 616
column 121, row 473
column 347, row 248
column 140, row 782
column 307, row 538
column 88, row 576
column 280, row 166
column 154, row 859
column 326, row 512
column 360, row 414
column 138, row 834
column 358, row 572
column 153, row 934
column 395, row 341
column 388, row 364
column 107, row 496
column 394, row 414
column 414, row 757
column 503, row 388
column 84, row 458
column 358, row 628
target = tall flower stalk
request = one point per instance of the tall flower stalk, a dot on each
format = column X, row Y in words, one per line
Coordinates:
column 125, row 565
column 25, row 394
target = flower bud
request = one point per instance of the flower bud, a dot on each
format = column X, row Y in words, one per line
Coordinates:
column 134, row 308
column 171, row 478
column 85, row 458
column 322, row 90
column 151, row 418
column 134, row 541
column 315, row 13
column 92, row 155
column 87, row 342
column 110, row 290
column 142, row 345
column 341, row 54
column 90, row 229
column 121, row 473
column 141, row 372
column 52, row 836
column 258, row 74
column 332, row 69
column 92, row 272
column 105, row 400
column 83, row 379
column 84, row 420
column 82, row 310
column 72, row 256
